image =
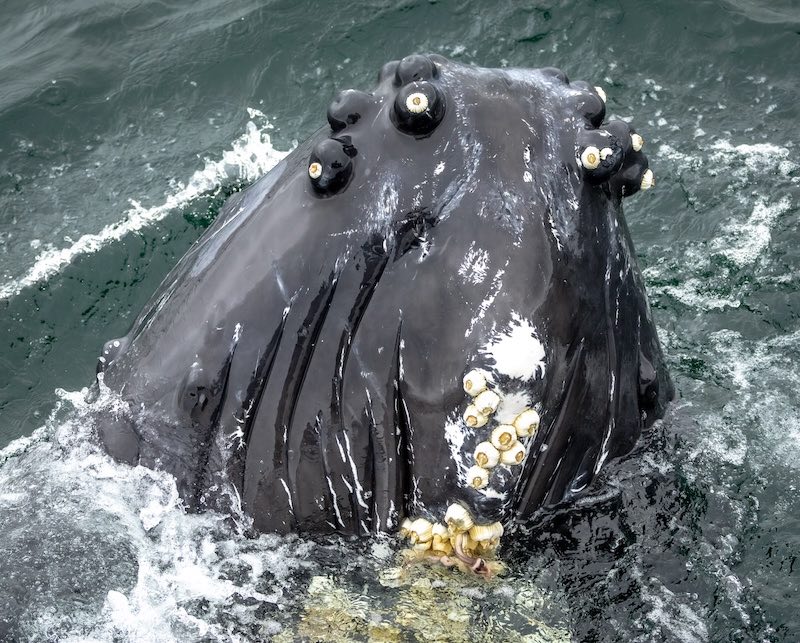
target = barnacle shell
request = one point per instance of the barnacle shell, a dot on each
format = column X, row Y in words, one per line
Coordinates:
column 487, row 402
column 484, row 533
column 474, row 382
column 648, row 180
column 441, row 539
column 405, row 527
column 477, row 477
column 601, row 93
column 526, row 423
column 315, row 170
column 515, row 455
column 417, row 103
column 637, row 142
column 458, row 519
column 504, row 437
column 590, row 158
column 474, row 418
column 420, row 531
column 486, row 455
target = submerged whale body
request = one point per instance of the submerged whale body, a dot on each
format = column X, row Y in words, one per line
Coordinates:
column 432, row 301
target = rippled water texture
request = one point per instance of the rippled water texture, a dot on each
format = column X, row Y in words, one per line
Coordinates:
column 124, row 126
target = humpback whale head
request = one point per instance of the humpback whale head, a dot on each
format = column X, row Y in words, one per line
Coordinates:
column 432, row 302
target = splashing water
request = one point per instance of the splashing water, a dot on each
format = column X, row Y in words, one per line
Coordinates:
column 251, row 156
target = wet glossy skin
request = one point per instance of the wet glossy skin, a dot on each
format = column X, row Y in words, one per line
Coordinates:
column 310, row 348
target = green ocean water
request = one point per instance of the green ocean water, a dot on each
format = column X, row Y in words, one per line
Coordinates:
column 125, row 125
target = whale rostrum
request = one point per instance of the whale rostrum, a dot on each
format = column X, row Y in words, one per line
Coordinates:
column 428, row 318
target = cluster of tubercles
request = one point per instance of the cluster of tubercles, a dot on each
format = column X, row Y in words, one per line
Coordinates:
column 611, row 152
column 419, row 107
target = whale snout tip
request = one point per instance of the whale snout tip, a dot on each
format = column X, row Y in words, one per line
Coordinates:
column 111, row 350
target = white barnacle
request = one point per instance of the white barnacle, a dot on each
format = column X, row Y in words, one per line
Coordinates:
column 441, row 539
column 474, row 382
column 504, row 437
column 405, row 527
column 417, row 103
column 601, row 93
column 420, row 531
column 590, row 158
column 515, row 455
column 315, row 170
column 486, row 533
column 648, row 180
column 486, row 455
column 637, row 142
column 527, row 423
column 487, row 402
column 458, row 519
column 605, row 153
column 478, row 477
column 474, row 418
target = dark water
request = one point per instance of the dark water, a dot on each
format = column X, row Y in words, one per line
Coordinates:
column 123, row 126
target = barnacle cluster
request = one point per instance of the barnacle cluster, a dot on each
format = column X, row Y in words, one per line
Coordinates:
column 458, row 542
column 503, row 445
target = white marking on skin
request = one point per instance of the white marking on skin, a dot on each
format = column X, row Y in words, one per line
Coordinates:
column 604, row 450
column 497, row 286
column 237, row 437
column 553, row 229
column 527, row 177
column 526, row 155
column 517, row 352
column 439, row 169
column 347, row 484
column 359, row 488
column 488, row 492
column 475, row 265
column 415, row 492
column 511, row 405
column 288, row 495
column 341, row 449
column 281, row 286
column 454, row 434
column 237, row 333
column 335, row 504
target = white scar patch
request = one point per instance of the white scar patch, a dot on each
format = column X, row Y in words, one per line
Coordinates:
column 516, row 351
column 475, row 265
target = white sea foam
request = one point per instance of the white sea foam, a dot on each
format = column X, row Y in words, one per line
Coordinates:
column 250, row 156
column 746, row 233
column 745, row 241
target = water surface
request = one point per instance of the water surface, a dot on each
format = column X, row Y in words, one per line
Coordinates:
column 123, row 128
